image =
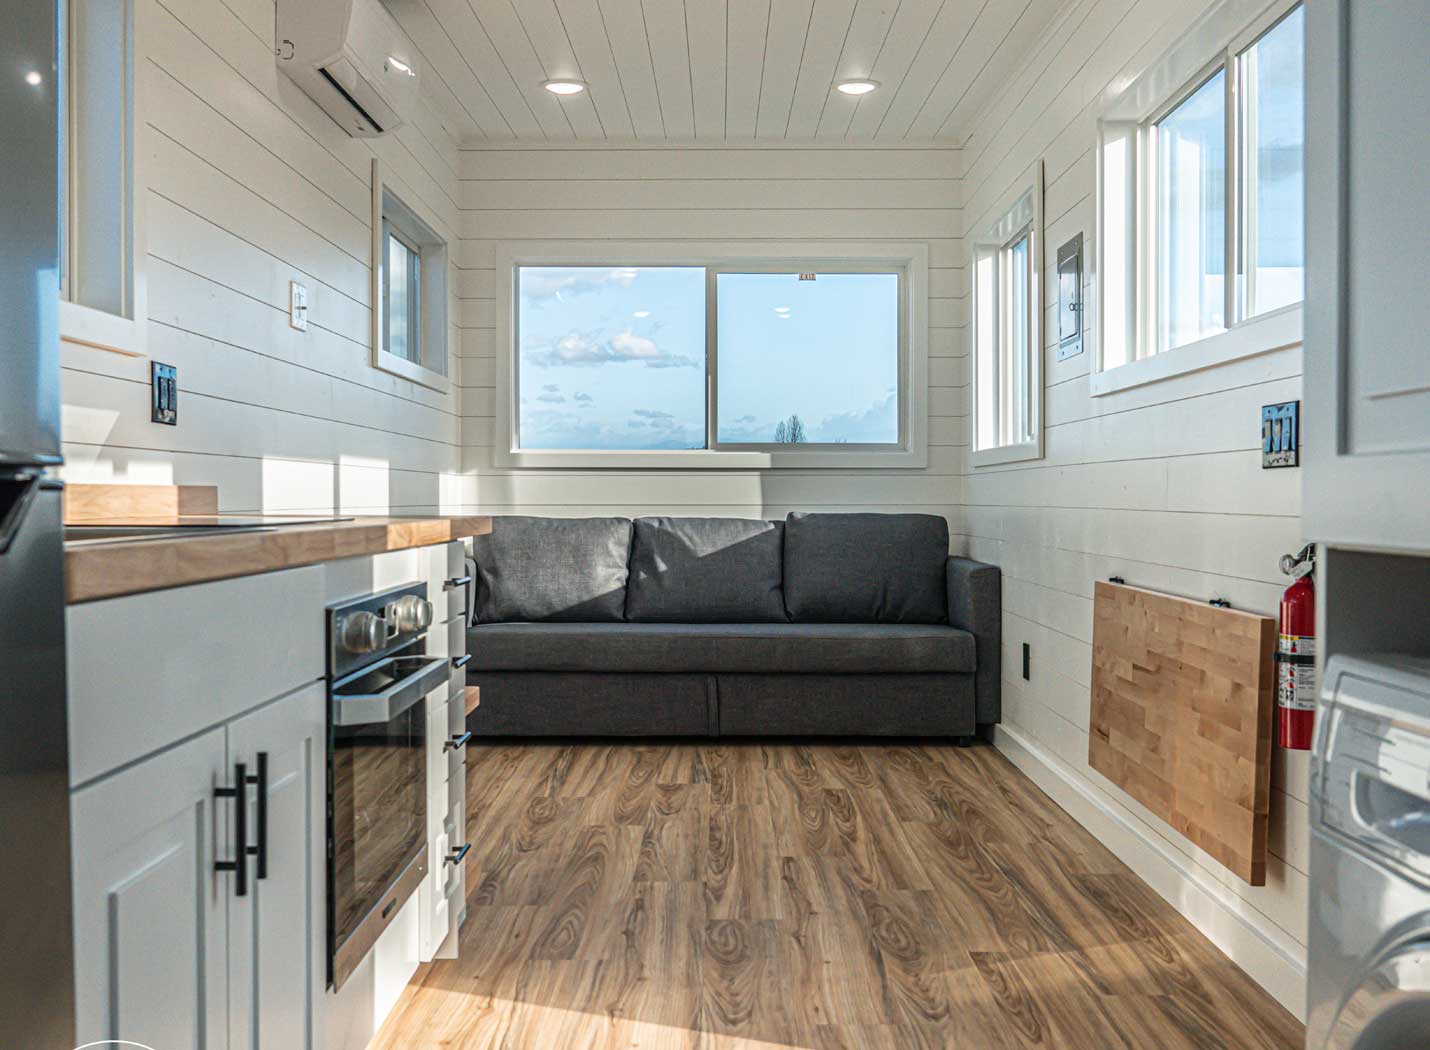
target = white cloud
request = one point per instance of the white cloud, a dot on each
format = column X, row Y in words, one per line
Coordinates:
column 588, row 349
column 540, row 284
column 583, row 399
column 552, row 388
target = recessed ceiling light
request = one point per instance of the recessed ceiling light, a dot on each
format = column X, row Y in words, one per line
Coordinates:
column 34, row 79
column 564, row 87
column 641, row 313
column 401, row 66
column 857, row 87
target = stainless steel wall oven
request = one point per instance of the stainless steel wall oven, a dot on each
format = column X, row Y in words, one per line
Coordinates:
column 378, row 678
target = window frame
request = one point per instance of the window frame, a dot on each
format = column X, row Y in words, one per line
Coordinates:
column 83, row 324
column 432, row 364
column 909, row 259
column 1019, row 216
column 1126, row 303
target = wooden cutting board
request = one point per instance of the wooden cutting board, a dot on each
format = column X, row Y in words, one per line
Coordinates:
column 1181, row 717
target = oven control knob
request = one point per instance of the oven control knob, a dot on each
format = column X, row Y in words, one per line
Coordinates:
column 412, row 613
column 362, row 632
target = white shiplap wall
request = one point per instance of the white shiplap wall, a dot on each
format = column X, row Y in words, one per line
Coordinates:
column 712, row 194
column 244, row 185
column 1160, row 484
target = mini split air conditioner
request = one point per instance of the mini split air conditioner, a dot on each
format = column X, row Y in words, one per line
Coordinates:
column 350, row 57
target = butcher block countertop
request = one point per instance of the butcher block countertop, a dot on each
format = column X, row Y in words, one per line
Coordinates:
column 109, row 568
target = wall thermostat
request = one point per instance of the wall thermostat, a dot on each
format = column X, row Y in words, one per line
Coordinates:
column 1070, row 299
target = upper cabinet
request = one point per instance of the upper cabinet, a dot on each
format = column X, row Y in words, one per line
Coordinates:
column 1367, row 382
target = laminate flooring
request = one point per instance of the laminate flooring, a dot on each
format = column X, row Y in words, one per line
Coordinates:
column 828, row 896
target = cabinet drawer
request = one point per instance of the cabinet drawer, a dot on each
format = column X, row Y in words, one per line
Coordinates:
column 150, row 669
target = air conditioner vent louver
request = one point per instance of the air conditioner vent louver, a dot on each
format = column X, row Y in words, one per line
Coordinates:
column 352, row 59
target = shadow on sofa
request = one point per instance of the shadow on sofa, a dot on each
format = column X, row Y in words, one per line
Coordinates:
column 823, row 624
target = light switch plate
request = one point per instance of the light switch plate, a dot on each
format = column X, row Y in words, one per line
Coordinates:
column 297, row 306
column 163, row 394
column 1281, row 435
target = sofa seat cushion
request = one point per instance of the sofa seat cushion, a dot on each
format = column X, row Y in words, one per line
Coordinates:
column 552, row 569
column 817, row 648
column 706, row 570
column 866, row 568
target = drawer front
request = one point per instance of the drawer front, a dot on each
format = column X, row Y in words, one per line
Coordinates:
column 150, row 669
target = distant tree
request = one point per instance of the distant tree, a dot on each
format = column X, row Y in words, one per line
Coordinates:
column 790, row 431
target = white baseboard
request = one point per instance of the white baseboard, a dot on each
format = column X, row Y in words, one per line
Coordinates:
column 1266, row 955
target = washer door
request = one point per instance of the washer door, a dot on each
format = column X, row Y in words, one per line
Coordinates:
column 1390, row 1008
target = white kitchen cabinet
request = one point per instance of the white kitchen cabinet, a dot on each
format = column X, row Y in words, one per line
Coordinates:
column 1366, row 417
column 151, row 935
column 276, row 969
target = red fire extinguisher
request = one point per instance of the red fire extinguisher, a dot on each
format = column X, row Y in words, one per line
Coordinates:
column 1296, row 653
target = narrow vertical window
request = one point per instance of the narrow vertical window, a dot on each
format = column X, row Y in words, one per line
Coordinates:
column 1191, row 217
column 1273, row 251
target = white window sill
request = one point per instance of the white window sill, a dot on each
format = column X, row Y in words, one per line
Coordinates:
column 410, row 370
column 1260, row 335
column 988, row 457
column 86, row 326
column 705, row 459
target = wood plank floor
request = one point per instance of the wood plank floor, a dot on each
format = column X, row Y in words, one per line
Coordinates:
column 702, row 896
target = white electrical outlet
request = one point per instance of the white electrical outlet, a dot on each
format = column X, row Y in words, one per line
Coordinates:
column 298, row 306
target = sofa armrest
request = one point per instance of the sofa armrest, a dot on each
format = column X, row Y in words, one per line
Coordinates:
column 975, row 605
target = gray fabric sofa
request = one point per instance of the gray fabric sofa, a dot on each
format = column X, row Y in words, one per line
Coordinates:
column 822, row 624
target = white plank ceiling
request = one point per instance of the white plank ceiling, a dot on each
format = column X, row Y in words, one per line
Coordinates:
column 711, row 71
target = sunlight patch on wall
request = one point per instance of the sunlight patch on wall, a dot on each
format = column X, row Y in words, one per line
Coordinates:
column 297, row 486
column 364, row 485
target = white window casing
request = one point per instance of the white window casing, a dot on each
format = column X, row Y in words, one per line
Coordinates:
column 908, row 259
column 1006, row 329
column 1126, row 352
column 425, row 288
column 102, row 289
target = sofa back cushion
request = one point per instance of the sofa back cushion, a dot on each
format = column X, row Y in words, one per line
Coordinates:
column 866, row 568
column 570, row 570
column 706, row 570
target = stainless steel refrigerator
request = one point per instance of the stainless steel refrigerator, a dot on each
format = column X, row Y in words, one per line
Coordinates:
column 36, row 940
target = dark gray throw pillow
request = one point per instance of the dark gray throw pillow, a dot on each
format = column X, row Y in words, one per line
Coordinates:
column 559, row 570
column 706, row 570
column 866, row 568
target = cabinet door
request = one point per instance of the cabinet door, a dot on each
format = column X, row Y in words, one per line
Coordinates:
column 277, row 961
column 1367, row 383
column 150, row 936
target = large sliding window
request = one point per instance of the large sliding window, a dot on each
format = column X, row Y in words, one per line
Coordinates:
column 657, row 358
column 1200, row 200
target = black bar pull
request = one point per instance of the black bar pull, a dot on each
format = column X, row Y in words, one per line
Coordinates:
column 455, row 582
column 239, row 864
column 261, row 850
column 460, row 661
column 1116, row 579
column 457, row 741
column 1220, row 603
column 455, row 857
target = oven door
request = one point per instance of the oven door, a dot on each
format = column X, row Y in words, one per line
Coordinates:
column 377, row 801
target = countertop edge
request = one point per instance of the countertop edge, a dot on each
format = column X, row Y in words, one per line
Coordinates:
column 140, row 566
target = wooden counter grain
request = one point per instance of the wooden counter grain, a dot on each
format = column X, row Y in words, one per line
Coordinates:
column 109, row 569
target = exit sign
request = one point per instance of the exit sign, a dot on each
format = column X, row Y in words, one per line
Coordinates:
column 1281, row 435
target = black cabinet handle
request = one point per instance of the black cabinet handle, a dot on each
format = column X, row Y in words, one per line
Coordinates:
column 261, row 850
column 457, row 741
column 455, row 582
column 239, row 864
column 460, row 661
column 455, row 857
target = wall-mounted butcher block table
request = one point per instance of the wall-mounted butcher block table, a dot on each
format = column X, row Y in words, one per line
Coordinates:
column 1181, row 717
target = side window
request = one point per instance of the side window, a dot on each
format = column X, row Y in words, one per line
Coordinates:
column 1007, row 331
column 101, row 289
column 410, row 289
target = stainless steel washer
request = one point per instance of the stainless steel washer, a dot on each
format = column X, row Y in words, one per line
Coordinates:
column 1369, row 951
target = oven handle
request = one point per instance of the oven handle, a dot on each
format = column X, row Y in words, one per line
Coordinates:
column 375, row 708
